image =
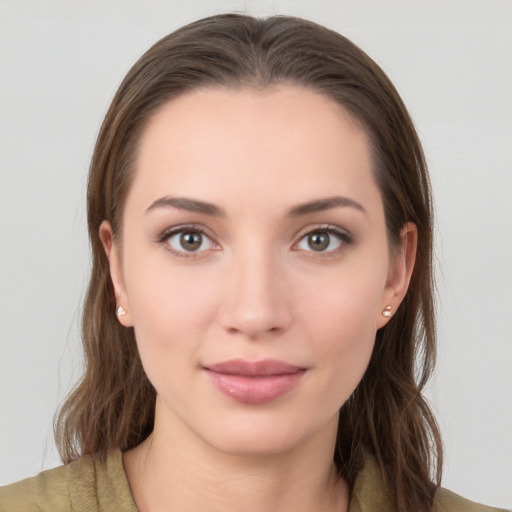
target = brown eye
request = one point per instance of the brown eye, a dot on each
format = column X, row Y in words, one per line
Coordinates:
column 324, row 240
column 191, row 241
column 318, row 241
column 185, row 242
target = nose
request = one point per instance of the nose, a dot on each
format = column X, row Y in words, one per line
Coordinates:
column 256, row 301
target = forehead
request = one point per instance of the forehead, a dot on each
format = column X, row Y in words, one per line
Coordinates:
column 283, row 141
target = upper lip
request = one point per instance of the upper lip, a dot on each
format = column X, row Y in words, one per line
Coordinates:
column 264, row 368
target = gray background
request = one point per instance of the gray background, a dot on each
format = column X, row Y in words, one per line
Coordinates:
column 60, row 63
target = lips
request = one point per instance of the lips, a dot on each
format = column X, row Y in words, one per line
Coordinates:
column 256, row 382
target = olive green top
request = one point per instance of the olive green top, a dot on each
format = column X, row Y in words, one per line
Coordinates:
column 86, row 485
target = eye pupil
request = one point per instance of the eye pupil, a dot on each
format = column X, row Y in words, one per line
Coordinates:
column 191, row 241
column 318, row 241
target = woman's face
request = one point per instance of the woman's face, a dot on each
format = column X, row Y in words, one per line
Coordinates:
column 254, row 265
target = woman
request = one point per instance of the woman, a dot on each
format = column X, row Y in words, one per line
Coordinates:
column 259, row 324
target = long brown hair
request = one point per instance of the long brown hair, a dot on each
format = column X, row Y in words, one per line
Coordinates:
column 113, row 403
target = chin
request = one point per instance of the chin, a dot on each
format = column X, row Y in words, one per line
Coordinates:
column 259, row 445
column 268, row 435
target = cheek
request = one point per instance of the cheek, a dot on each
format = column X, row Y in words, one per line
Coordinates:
column 170, row 305
column 345, row 334
column 341, row 324
column 344, row 303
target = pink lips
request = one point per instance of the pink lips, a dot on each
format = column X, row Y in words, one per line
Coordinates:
column 254, row 382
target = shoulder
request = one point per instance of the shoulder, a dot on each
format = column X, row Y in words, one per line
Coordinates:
column 46, row 491
column 448, row 501
column 372, row 492
column 84, row 484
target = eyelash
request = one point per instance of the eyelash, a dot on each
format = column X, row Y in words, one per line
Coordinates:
column 166, row 235
column 345, row 239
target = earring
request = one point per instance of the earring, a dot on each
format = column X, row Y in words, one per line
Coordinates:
column 387, row 312
column 120, row 311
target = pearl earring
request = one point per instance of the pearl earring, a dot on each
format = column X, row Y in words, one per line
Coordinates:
column 120, row 311
column 387, row 312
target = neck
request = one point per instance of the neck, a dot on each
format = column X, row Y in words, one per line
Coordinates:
column 170, row 472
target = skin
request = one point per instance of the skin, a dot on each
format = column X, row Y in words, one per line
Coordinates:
column 255, row 289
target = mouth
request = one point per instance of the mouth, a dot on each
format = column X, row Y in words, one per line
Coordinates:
column 256, row 382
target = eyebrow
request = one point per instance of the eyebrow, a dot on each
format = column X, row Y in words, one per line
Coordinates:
column 320, row 205
column 190, row 205
column 196, row 206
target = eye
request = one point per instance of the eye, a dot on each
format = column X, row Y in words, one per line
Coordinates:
column 324, row 240
column 187, row 241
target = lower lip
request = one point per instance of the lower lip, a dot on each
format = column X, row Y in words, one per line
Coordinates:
column 255, row 390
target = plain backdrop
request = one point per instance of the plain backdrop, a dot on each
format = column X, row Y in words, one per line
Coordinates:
column 60, row 63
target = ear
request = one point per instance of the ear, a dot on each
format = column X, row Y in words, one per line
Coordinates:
column 112, row 251
column 399, row 274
